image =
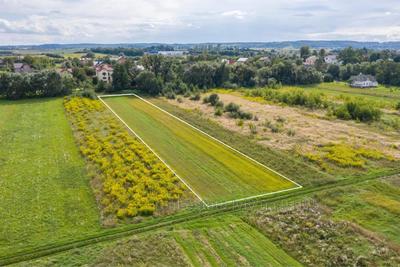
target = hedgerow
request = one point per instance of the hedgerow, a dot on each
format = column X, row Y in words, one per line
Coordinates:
column 133, row 181
column 295, row 97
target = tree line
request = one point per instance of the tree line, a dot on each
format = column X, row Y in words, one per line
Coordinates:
column 41, row 84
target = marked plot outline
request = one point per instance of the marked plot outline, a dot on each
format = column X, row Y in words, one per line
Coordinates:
column 204, row 181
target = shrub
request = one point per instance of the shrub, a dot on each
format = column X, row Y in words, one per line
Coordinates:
column 244, row 115
column 89, row 94
column 232, row 107
column 179, row 99
column 398, row 106
column 213, row 99
column 358, row 110
column 218, row 112
column 195, row 97
column 170, row 95
column 220, row 104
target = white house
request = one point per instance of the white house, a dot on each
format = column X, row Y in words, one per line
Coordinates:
column 363, row 81
column 265, row 59
column 104, row 72
column 310, row 61
column 331, row 59
column 242, row 60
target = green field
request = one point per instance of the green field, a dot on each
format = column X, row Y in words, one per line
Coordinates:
column 375, row 206
column 44, row 189
column 214, row 171
column 219, row 241
column 381, row 96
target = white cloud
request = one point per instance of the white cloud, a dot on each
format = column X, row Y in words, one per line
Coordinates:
column 105, row 21
column 235, row 14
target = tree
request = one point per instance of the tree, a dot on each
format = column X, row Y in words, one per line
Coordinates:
column 221, row 76
column 201, row 75
column 79, row 74
column 284, row 72
column 243, row 75
column 305, row 52
column 147, row 82
column 263, row 75
column 120, row 78
column 334, row 71
column 389, row 73
column 305, row 75
column 350, row 55
column 153, row 63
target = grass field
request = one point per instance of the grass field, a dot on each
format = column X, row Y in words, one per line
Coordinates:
column 44, row 190
column 219, row 241
column 375, row 206
column 214, row 171
column 381, row 96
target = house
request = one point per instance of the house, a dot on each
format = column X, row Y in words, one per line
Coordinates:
column 331, row 59
column 363, row 81
column 228, row 61
column 121, row 60
column 265, row 59
column 310, row 61
column 140, row 67
column 242, row 60
column 104, row 72
column 22, row 68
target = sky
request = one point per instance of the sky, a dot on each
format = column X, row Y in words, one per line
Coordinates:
column 196, row 21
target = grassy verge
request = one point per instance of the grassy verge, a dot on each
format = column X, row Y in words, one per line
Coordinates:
column 44, row 189
column 214, row 171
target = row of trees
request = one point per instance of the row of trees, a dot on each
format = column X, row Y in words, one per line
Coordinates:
column 41, row 84
column 163, row 74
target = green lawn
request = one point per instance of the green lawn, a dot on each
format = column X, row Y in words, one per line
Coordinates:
column 214, row 171
column 219, row 241
column 44, row 189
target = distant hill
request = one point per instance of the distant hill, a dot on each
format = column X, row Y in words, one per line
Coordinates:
column 242, row 45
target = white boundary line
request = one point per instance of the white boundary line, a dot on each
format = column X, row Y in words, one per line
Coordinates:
column 183, row 181
column 215, row 139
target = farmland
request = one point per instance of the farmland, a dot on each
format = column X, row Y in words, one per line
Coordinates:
column 214, row 171
column 45, row 191
column 223, row 240
column 127, row 177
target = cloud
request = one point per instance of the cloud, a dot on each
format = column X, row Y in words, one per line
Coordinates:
column 235, row 14
column 104, row 21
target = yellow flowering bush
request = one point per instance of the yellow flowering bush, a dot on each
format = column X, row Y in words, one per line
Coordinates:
column 133, row 180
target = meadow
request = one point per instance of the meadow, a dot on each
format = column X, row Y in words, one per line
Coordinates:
column 374, row 205
column 45, row 193
column 218, row 241
column 214, row 171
